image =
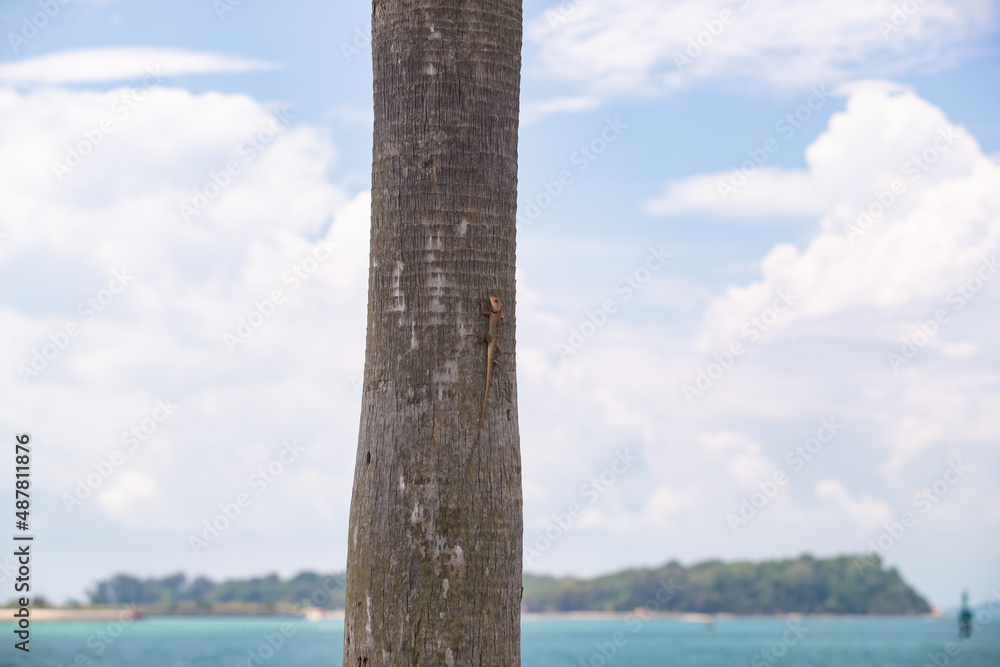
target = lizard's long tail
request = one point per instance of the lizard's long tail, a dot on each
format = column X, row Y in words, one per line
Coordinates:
column 483, row 415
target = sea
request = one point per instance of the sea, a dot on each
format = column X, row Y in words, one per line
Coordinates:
column 546, row 642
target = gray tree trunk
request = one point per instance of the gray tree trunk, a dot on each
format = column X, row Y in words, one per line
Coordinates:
column 434, row 550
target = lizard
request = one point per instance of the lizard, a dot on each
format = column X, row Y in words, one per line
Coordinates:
column 492, row 340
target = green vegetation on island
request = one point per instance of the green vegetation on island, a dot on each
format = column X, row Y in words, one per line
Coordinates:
column 258, row 595
column 842, row 585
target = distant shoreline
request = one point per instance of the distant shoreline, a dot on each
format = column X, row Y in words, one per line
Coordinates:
column 847, row 584
column 113, row 614
column 693, row 617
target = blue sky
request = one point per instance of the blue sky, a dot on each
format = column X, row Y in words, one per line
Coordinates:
column 874, row 335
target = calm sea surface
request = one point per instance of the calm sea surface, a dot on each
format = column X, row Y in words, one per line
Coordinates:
column 230, row 642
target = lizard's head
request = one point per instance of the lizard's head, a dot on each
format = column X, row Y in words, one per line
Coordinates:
column 496, row 305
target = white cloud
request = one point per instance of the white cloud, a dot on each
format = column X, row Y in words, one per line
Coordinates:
column 127, row 496
column 662, row 507
column 610, row 47
column 162, row 335
column 665, row 503
column 121, row 64
column 754, row 201
column 961, row 350
column 866, row 147
column 742, row 455
column 915, row 245
column 825, row 357
column 863, row 289
column 532, row 111
column 868, row 512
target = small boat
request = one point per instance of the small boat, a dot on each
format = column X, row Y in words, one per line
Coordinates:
column 965, row 617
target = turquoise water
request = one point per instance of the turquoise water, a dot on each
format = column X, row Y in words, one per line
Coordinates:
column 819, row 642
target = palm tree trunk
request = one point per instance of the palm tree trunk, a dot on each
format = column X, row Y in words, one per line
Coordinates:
column 434, row 551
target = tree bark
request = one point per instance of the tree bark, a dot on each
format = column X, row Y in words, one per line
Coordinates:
column 434, row 550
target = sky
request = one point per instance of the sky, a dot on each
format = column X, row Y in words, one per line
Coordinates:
column 756, row 250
